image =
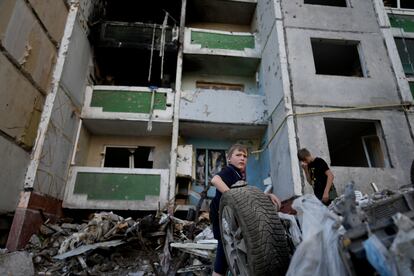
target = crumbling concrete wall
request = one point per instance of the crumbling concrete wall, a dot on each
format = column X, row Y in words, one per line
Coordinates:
column 222, row 106
column 60, row 136
column 396, row 137
column 315, row 93
column 275, row 84
column 29, row 36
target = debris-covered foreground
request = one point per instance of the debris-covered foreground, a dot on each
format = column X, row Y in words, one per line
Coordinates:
column 112, row 245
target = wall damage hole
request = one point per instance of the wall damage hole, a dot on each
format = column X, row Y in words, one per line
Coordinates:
column 405, row 47
column 337, row 57
column 135, row 44
column 219, row 86
column 355, row 143
column 336, row 3
column 127, row 157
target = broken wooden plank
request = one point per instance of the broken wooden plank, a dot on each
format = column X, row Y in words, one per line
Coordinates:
column 200, row 246
column 84, row 248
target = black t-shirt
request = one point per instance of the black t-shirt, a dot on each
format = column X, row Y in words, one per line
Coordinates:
column 230, row 175
column 317, row 169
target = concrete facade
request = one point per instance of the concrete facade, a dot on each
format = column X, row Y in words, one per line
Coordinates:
column 29, row 42
column 252, row 79
column 301, row 90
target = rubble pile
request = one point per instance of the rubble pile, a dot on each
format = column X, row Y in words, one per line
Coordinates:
column 109, row 244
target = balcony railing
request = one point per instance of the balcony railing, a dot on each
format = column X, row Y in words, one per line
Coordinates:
column 116, row 188
column 128, row 102
column 212, row 42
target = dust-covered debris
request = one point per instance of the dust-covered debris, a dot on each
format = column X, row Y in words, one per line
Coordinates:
column 109, row 244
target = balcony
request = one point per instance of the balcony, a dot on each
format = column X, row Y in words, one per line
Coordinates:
column 224, row 43
column 116, row 188
column 136, row 35
column 402, row 24
column 128, row 110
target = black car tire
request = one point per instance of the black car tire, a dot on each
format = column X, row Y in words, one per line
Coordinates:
column 252, row 233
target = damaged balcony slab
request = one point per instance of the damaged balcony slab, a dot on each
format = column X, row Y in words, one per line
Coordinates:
column 225, row 43
column 135, row 35
column 219, row 106
column 128, row 110
column 116, row 188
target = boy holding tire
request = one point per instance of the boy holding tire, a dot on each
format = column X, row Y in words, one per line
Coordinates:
column 234, row 172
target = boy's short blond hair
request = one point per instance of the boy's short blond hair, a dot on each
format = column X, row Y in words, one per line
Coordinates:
column 238, row 147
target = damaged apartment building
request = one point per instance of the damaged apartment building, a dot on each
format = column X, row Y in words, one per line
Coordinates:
column 115, row 105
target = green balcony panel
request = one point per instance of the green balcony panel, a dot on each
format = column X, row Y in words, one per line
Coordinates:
column 114, row 186
column 127, row 101
column 405, row 23
column 412, row 88
column 222, row 41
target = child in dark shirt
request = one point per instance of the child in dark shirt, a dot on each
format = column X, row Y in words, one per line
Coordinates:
column 234, row 172
column 319, row 176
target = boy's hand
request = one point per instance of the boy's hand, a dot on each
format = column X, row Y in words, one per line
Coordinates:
column 325, row 197
column 275, row 201
column 304, row 166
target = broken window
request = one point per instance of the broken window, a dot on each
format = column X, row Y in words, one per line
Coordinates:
column 405, row 48
column 126, row 157
column 400, row 4
column 208, row 163
column 219, row 86
column 354, row 143
column 336, row 3
column 336, row 57
column 135, row 44
column 391, row 3
column 406, row 4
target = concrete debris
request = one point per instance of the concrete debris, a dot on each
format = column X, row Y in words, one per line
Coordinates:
column 16, row 263
column 111, row 245
column 86, row 248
